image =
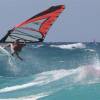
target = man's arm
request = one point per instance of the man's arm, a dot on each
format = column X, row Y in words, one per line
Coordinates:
column 4, row 46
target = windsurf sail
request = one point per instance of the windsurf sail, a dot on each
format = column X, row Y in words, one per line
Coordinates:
column 35, row 28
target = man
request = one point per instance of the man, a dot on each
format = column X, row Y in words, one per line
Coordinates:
column 16, row 48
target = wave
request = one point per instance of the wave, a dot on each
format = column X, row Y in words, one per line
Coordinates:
column 32, row 97
column 41, row 79
column 60, row 79
column 70, row 46
column 37, row 46
column 91, row 50
column 79, row 74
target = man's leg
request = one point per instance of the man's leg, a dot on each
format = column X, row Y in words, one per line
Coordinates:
column 17, row 54
column 13, row 53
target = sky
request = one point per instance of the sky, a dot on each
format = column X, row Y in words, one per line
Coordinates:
column 80, row 21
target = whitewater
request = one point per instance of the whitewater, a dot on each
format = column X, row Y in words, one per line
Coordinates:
column 51, row 71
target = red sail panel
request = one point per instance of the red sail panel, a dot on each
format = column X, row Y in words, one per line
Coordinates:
column 50, row 15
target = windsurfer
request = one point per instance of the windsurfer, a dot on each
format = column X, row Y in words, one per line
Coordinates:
column 16, row 48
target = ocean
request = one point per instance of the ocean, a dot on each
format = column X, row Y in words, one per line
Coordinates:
column 51, row 71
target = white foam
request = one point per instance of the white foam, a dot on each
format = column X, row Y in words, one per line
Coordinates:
column 92, row 72
column 61, row 61
column 38, row 46
column 83, row 74
column 79, row 74
column 70, row 46
column 88, row 74
column 41, row 79
column 57, row 74
column 11, row 60
column 32, row 97
column 91, row 50
column 17, row 87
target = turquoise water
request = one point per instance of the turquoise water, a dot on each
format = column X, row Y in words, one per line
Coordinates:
column 52, row 71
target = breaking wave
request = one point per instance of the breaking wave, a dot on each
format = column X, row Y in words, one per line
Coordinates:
column 70, row 46
column 57, row 79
